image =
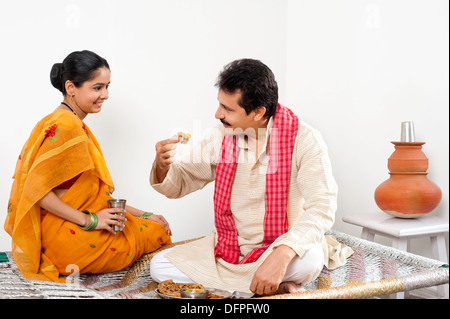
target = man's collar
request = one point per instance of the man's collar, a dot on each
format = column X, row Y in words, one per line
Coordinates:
column 243, row 143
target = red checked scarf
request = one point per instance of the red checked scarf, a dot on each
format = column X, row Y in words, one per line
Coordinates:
column 281, row 145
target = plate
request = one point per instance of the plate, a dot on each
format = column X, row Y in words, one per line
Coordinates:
column 219, row 292
column 164, row 296
column 224, row 294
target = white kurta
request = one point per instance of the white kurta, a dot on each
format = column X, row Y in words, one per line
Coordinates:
column 312, row 200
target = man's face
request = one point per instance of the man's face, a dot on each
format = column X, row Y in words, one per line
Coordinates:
column 231, row 114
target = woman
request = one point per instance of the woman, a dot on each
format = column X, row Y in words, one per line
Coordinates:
column 58, row 215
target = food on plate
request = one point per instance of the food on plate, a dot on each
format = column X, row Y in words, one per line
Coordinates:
column 172, row 289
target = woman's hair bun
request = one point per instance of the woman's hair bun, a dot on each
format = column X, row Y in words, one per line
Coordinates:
column 56, row 76
column 78, row 67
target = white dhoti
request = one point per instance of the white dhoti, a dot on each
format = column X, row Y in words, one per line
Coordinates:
column 300, row 270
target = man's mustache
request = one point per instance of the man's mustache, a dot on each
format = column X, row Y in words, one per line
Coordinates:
column 224, row 122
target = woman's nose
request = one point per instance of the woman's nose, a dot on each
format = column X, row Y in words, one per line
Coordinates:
column 105, row 94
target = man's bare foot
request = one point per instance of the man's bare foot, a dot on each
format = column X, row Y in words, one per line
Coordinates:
column 289, row 287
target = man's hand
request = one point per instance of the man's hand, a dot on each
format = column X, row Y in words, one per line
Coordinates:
column 165, row 151
column 270, row 274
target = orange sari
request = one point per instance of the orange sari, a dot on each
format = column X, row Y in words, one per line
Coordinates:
column 45, row 246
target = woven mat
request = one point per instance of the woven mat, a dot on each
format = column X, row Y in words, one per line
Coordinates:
column 373, row 270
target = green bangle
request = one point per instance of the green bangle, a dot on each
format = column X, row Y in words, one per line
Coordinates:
column 93, row 222
column 146, row 215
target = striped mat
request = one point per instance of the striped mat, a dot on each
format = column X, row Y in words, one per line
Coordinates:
column 373, row 270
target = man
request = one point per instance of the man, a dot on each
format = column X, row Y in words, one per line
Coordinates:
column 274, row 196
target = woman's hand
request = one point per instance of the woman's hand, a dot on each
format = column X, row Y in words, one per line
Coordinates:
column 153, row 217
column 161, row 220
column 109, row 217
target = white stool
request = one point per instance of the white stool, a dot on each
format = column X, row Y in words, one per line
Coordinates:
column 402, row 230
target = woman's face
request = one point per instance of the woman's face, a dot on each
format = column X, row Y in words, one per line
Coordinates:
column 90, row 96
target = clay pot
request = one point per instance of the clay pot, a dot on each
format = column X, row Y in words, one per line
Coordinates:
column 407, row 195
column 408, row 157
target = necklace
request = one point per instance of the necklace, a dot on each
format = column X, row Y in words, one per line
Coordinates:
column 69, row 107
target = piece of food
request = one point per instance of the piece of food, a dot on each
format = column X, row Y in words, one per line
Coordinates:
column 185, row 137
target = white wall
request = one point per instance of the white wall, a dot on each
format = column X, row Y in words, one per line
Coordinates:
column 356, row 70
column 164, row 56
column 353, row 69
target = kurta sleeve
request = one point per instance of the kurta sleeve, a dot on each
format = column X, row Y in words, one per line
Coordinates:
column 193, row 171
